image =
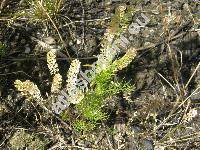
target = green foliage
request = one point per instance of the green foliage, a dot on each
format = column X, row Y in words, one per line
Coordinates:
column 103, row 87
column 81, row 125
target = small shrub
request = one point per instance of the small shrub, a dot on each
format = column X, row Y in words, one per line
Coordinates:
column 88, row 103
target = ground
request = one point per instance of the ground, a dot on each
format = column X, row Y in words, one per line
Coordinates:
column 161, row 113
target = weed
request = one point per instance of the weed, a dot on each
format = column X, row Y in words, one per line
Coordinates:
column 81, row 125
column 89, row 103
column 39, row 10
column 103, row 87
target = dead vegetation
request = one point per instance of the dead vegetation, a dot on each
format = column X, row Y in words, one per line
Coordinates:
column 161, row 112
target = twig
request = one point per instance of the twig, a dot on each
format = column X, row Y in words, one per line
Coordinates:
column 162, row 42
column 44, row 58
column 89, row 20
column 167, row 81
column 5, row 74
column 56, row 116
column 192, row 75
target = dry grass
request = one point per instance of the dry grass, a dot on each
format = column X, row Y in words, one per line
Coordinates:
column 160, row 113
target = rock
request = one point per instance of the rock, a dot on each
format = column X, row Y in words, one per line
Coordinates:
column 148, row 144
